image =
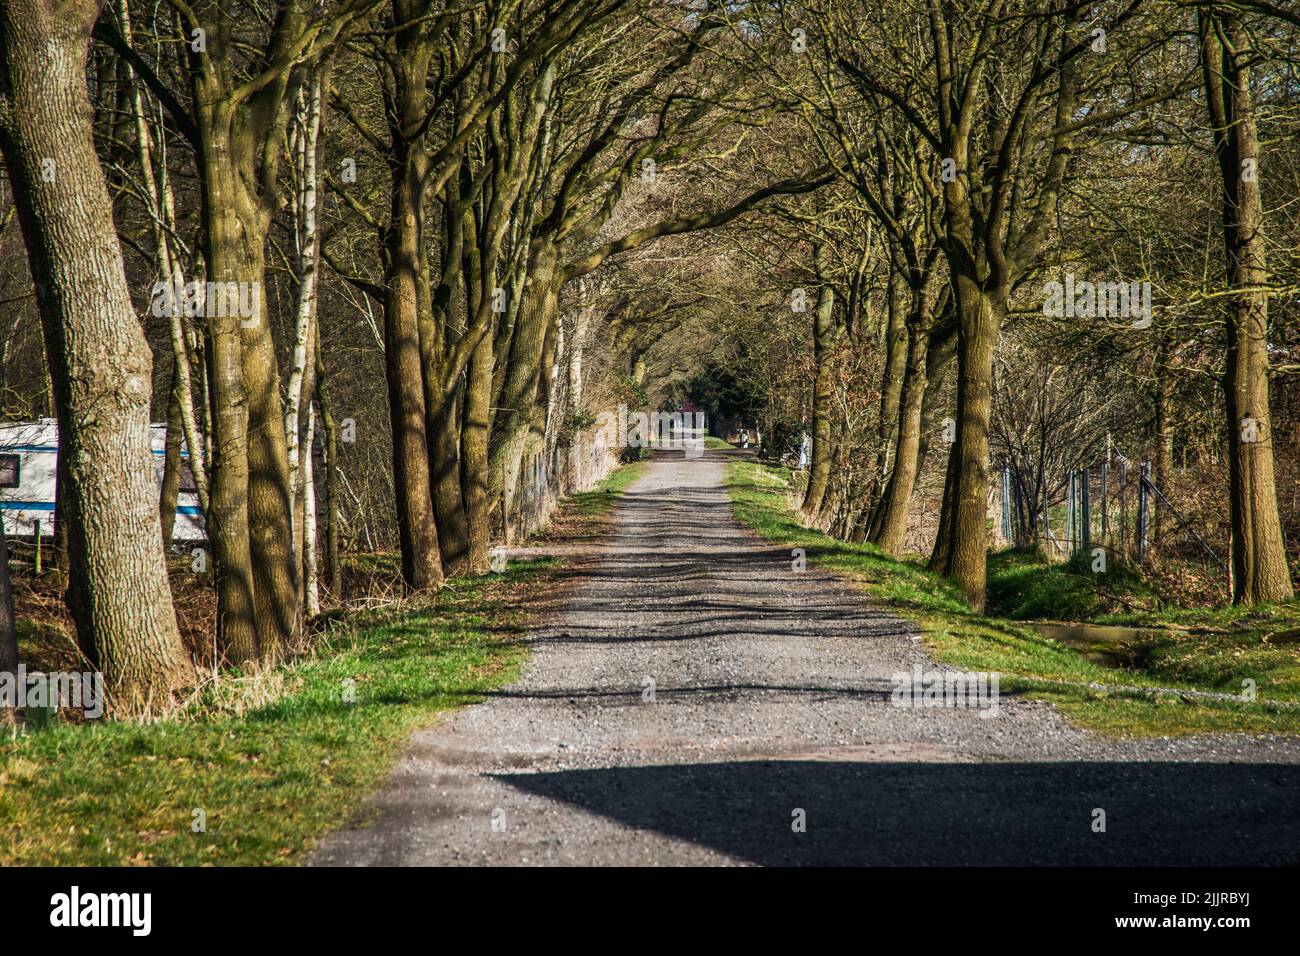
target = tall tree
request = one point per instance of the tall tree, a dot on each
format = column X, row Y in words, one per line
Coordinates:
column 825, row 333
column 243, row 75
column 99, row 362
column 1259, row 565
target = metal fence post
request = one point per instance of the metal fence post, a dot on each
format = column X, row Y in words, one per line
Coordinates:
column 1085, row 509
column 1123, row 506
column 1144, row 511
column 1047, row 525
column 1006, row 505
column 1105, row 475
column 1069, row 510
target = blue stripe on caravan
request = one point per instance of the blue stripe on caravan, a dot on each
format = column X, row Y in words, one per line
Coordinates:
column 49, row 506
column 10, row 449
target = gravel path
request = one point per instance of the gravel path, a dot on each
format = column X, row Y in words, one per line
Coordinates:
column 771, row 704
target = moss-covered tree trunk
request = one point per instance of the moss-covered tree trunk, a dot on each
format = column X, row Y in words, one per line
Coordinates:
column 1259, row 564
column 961, row 549
column 823, row 391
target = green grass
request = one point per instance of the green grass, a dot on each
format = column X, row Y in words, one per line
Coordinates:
column 601, row 498
column 716, row 444
column 1021, row 585
column 1270, row 620
column 581, row 513
column 271, row 779
column 1209, row 648
column 1030, row 663
column 272, row 762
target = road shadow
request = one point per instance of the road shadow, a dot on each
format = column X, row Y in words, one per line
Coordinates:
column 940, row 814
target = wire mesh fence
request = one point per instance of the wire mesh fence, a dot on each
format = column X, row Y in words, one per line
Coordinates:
column 1112, row 504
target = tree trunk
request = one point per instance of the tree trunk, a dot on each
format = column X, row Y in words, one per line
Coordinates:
column 961, row 548
column 449, row 504
column 99, row 360
column 890, row 528
column 819, row 467
column 1164, row 463
column 311, row 581
column 241, row 133
column 333, row 569
column 302, row 367
column 892, row 380
column 171, row 275
column 270, row 506
column 1259, row 566
column 519, row 387
column 442, row 399
column 171, row 483
column 228, row 525
column 939, row 357
column 474, row 453
column 417, row 531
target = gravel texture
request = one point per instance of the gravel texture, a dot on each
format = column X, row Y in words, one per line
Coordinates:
column 771, row 704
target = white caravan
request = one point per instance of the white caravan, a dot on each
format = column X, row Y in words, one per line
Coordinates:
column 29, row 453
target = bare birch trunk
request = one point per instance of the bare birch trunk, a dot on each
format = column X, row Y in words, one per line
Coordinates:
column 171, row 274
column 311, row 585
column 302, row 368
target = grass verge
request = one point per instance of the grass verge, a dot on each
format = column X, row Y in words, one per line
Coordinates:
column 1109, row 700
column 258, row 769
column 598, row 501
column 1023, row 586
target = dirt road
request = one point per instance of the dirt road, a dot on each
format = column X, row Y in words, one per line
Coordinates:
column 693, row 699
